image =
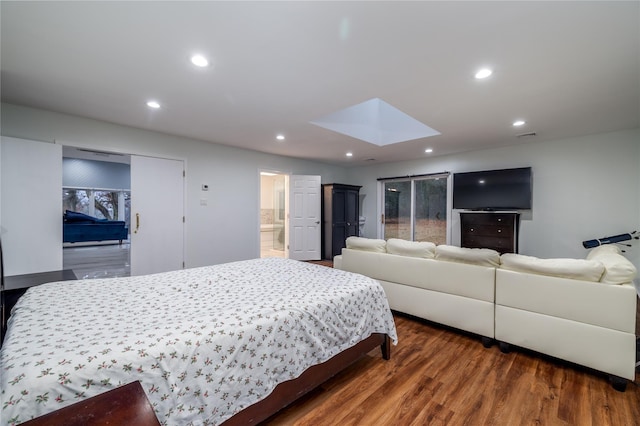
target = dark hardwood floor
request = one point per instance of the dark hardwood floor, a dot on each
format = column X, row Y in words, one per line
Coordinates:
column 438, row 376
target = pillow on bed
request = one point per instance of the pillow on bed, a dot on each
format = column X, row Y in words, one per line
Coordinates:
column 617, row 268
column 400, row 247
column 366, row 244
column 474, row 256
column 575, row 269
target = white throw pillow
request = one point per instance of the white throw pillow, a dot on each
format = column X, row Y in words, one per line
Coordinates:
column 367, row 244
column 576, row 269
column 607, row 248
column 617, row 268
column 400, row 247
column 474, row 256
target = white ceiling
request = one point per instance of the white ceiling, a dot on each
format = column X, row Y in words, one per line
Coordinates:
column 567, row 68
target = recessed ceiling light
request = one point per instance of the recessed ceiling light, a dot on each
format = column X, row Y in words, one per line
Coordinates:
column 428, row 150
column 153, row 104
column 199, row 61
column 349, row 154
column 518, row 123
column 483, row 73
column 280, row 137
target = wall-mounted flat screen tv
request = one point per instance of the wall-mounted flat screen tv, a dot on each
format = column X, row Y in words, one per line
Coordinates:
column 506, row 189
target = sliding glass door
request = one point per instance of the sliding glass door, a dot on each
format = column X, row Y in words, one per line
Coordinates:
column 416, row 208
column 397, row 210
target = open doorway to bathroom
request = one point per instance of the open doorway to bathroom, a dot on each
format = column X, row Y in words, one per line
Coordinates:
column 273, row 211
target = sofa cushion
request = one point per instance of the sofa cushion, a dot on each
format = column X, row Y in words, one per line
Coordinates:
column 400, row 247
column 367, row 244
column 473, row 256
column 606, row 248
column 617, row 268
column 471, row 281
column 576, row 269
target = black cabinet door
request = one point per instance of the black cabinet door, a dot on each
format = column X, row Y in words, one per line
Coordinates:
column 341, row 212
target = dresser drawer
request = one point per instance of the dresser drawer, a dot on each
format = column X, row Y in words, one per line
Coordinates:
column 488, row 230
column 502, row 245
column 487, row 218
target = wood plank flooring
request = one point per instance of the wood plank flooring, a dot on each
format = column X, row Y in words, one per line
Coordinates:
column 437, row 376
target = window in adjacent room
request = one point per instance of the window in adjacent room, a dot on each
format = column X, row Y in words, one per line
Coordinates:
column 415, row 208
column 102, row 204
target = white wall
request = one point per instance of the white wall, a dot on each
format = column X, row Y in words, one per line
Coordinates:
column 227, row 228
column 583, row 188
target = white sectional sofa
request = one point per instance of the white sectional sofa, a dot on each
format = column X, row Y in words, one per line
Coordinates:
column 460, row 295
column 579, row 310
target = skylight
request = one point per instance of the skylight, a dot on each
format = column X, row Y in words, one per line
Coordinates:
column 376, row 122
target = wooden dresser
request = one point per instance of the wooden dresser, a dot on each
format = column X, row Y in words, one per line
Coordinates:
column 497, row 231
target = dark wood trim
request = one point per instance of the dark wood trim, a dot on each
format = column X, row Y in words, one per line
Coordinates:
column 288, row 392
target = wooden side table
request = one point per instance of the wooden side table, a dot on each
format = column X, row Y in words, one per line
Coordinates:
column 126, row 405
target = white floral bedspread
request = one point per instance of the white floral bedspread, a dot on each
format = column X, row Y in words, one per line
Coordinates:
column 204, row 342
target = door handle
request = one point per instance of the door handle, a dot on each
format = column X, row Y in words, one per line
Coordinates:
column 137, row 223
column 317, row 222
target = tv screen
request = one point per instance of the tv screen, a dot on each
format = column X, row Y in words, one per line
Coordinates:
column 493, row 189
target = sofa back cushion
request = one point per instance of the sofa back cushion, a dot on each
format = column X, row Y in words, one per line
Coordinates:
column 77, row 217
column 576, row 269
column 617, row 268
column 422, row 249
column 366, row 244
column 473, row 256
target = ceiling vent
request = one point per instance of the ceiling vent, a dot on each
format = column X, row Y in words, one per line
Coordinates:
column 524, row 135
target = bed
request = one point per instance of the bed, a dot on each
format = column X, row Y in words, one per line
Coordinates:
column 229, row 343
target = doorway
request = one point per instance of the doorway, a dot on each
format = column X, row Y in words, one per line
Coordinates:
column 96, row 186
column 273, row 213
column 135, row 206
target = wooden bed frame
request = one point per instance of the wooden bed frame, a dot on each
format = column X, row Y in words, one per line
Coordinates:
column 287, row 392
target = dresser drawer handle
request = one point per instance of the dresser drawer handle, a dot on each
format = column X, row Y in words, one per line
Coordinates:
column 499, row 230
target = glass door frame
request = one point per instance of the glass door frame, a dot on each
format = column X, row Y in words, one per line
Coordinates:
column 412, row 181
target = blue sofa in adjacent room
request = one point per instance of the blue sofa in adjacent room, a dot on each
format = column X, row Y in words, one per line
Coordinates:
column 79, row 227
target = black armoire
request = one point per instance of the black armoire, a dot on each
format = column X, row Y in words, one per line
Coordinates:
column 340, row 217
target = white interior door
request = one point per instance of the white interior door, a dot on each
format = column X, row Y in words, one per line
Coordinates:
column 157, row 212
column 31, row 206
column 304, row 217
